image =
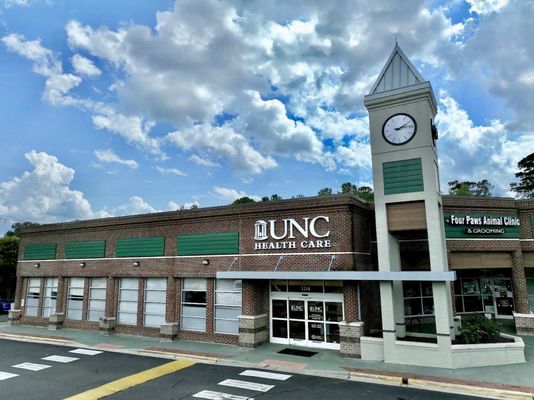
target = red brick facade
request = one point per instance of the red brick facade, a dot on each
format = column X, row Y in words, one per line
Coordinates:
column 352, row 236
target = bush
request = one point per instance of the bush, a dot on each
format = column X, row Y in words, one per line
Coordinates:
column 479, row 329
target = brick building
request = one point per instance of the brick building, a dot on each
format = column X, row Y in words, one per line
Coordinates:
column 292, row 271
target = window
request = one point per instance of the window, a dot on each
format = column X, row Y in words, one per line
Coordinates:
column 227, row 306
column 155, row 301
column 32, row 296
column 128, row 292
column 97, row 299
column 75, row 298
column 530, row 287
column 50, row 297
column 194, row 304
column 418, row 298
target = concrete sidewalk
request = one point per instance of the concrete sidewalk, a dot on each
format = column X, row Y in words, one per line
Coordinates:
column 507, row 381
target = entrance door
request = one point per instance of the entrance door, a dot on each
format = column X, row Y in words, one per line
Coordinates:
column 306, row 322
column 504, row 298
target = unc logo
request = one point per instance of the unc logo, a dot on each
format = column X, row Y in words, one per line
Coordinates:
column 260, row 230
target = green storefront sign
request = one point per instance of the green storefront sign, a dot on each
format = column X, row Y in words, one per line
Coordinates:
column 487, row 226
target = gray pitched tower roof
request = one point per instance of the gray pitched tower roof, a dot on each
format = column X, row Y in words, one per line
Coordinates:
column 398, row 73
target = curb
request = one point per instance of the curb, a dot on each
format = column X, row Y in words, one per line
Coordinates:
column 424, row 384
column 441, row 386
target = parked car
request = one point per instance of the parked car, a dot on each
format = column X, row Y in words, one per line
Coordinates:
column 5, row 305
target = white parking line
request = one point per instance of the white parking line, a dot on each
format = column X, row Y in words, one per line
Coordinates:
column 208, row 394
column 60, row 359
column 265, row 374
column 31, row 366
column 6, row 375
column 87, row 352
column 259, row 387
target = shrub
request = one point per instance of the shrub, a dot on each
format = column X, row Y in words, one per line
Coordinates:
column 479, row 329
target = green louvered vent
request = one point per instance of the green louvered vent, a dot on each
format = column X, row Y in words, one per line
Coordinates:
column 40, row 251
column 403, row 176
column 208, row 243
column 141, row 247
column 86, row 249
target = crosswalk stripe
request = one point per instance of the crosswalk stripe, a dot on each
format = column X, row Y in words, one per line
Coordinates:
column 265, row 374
column 6, row 375
column 208, row 394
column 60, row 359
column 259, row 387
column 31, row 366
column 87, row 352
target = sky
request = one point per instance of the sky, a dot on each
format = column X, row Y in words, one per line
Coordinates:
column 130, row 106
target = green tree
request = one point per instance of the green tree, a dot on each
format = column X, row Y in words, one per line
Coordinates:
column 17, row 226
column 325, row 192
column 363, row 192
column 366, row 193
column 467, row 188
column 275, row 197
column 349, row 188
column 9, row 248
column 244, row 200
column 525, row 187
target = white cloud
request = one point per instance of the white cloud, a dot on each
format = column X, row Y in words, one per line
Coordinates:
column 109, row 156
column 226, row 142
column 172, row 171
column 355, row 155
column 134, row 205
column 45, row 62
column 474, row 152
column 134, row 129
column 203, row 162
column 42, row 194
column 173, row 206
column 486, row 6
column 232, row 194
column 84, row 66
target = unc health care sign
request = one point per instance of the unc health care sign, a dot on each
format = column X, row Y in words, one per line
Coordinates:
column 289, row 233
column 481, row 226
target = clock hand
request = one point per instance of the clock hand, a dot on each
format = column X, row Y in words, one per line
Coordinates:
column 402, row 126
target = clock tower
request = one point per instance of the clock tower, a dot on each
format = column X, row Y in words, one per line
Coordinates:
column 408, row 204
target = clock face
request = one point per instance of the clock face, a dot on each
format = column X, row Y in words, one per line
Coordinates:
column 399, row 129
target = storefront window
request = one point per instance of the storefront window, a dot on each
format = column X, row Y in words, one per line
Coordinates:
column 97, row 299
column 32, row 296
column 128, row 295
column 228, row 300
column 75, row 298
column 194, row 304
column 155, row 301
column 50, row 297
column 484, row 291
column 418, row 298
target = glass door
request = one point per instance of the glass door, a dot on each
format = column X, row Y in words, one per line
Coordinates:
column 297, row 322
column 504, row 298
column 306, row 322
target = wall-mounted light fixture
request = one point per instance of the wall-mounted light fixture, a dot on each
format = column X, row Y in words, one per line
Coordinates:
column 136, row 263
column 36, row 265
column 206, row 261
column 82, row 264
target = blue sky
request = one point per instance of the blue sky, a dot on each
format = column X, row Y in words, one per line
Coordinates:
column 124, row 107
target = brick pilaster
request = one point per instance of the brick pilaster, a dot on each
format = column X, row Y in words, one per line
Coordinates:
column 520, row 283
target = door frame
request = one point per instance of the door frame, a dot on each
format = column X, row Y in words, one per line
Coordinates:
column 295, row 296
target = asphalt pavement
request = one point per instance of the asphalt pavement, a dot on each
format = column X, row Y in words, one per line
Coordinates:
column 220, row 382
column 63, row 375
column 40, row 371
